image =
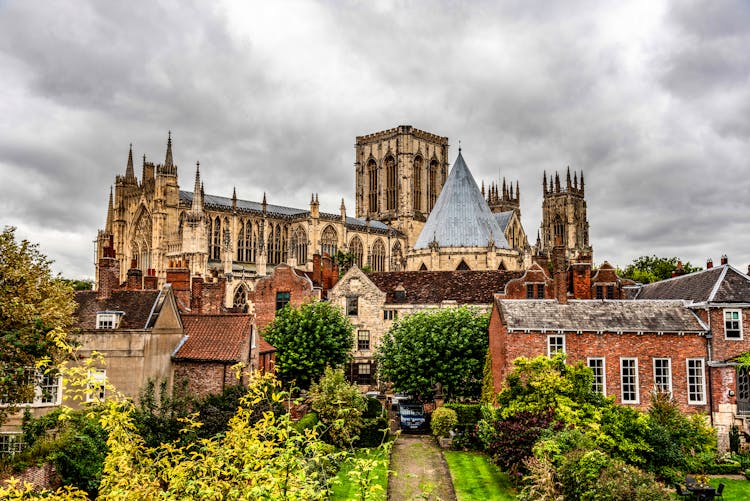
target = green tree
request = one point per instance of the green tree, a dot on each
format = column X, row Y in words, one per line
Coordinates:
column 36, row 313
column 647, row 269
column 308, row 339
column 446, row 347
column 339, row 405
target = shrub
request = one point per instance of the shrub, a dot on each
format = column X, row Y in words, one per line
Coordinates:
column 734, row 439
column 443, row 421
column 624, row 482
column 307, row 422
column 510, row 440
column 467, row 414
column 580, row 470
column 339, row 405
column 374, row 432
column 729, row 468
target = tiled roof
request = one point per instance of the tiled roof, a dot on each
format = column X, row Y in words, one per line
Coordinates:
column 264, row 346
column 218, row 338
column 432, row 287
column 722, row 284
column 461, row 216
column 599, row 316
column 137, row 306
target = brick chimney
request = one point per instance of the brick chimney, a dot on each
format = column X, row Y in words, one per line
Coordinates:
column 196, row 299
column 150, row 280
column 180, row 280
column 581, row 270
column 724, row 259
column 317, row 272
column 108, row 276
column 135, row 279
column 679, row 270
column 560, row 274
column 709, row 263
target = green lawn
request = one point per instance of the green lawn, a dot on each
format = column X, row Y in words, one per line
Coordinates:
column 348, row 489
column 734, row 490
column 475, row 477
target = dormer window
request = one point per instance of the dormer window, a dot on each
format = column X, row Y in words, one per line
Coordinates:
column 108, row 319
column 400, row 292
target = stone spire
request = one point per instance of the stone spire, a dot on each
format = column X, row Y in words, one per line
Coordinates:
column 197, row 206
column 518, row 192
column 234, row 198
column 110, row 209
column 129, row 173
column 168, row 160
column 568, row 185
column 265, row 204
column 544, row 182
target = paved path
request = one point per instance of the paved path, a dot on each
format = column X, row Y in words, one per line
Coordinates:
column 420, row 471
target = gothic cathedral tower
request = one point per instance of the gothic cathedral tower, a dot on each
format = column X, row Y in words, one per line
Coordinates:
column 564, row 219
column 399, row 175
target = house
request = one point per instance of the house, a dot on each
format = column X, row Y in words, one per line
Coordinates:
column 720, row 296
column 374, row 301
column 214, row 352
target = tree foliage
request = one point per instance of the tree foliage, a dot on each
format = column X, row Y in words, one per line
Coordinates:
column 647, row 269
column 339, row 405
column 308, row 339
column 445, row 347
column 36, row 313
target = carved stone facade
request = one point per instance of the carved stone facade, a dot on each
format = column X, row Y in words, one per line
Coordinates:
column 399, row 175
column 564, row 220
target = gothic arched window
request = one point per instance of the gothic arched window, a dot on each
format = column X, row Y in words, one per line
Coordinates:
column 372, row 193
column 284, row 244
column 377, row 258
column 299, row 245
column 329, row 241
column 241, row 243
column 432, row 185
column 391, row 177
column 559, row 230
column 396, row 257
column 215, row 252
column 355, row 247
column 240, row 298
column 277, row 240
column 417, row 183
column 269, row 245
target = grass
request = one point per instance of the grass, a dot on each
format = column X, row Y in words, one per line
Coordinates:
column 346, row 488
column 734, row 490
column 475, row 477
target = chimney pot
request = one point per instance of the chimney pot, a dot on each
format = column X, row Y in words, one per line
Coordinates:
column 724, row 259
column 709, row 263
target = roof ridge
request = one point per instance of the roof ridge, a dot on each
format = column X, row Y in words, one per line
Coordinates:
column 716, row 286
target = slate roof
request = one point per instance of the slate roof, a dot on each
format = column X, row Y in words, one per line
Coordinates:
column 503, row 219
column 432, row 287
column 461, row 216
column 225, row 203
column 137, row 306
column 214, row 338
column 722, row 284
column 599, row 316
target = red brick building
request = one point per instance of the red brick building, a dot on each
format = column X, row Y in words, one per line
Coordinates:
column 211, row 347
column 284, row 285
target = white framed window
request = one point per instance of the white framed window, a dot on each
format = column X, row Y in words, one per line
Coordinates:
column 97, row 385
column 597, row 365
column 696, row 379
column 663, row 374
column 108, row 319
column 46, row 384
column 11, row 443
column 629, row 380
column 555, row 344
column 733, row 324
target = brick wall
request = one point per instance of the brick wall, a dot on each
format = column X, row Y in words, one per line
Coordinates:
column 204, row 378
column 725, row 349
column 41, row 477
column 506, row 347
column 283, row 279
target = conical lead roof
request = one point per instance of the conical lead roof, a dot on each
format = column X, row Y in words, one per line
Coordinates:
column 461, row 217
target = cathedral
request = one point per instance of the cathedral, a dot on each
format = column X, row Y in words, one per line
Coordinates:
column 412, row 213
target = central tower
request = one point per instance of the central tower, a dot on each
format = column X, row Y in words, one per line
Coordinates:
column 399, row 175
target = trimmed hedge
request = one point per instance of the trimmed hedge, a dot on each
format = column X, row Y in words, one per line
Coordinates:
column 467, row 414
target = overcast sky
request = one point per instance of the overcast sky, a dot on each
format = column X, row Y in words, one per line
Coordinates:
column 650, row 99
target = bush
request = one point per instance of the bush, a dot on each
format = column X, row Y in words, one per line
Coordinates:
column 374, row 432
column 443, row 421
column 729, row 468
column 510, row 440
column 374, row 409
column 307, row 422
column 734, row 439
column 624, row 482
column 467, row 414
column 339, row 405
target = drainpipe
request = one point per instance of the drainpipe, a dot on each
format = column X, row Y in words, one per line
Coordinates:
column 709, row 352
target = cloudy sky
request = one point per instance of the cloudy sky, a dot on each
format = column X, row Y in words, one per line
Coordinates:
column 650, row 99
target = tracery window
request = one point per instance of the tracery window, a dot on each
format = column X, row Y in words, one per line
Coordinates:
column 242, row 243
column 417, row 183
column 372, row 194
column 329, row 241
column 299, row 245
column 391, row 175
column 432, row 185
column 240, row 297
column 215, row 250
column 355, row 247
column 559, row 231
column 377, row 258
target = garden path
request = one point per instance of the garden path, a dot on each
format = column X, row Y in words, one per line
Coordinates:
column 420, row 471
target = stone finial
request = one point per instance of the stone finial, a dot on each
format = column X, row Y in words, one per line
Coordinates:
column 168, row 158
column 129, row 173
